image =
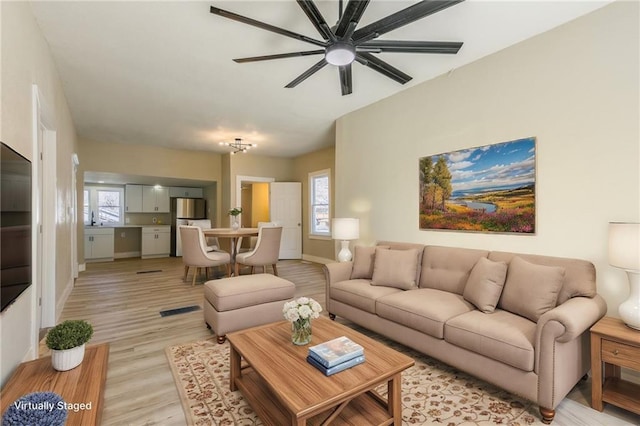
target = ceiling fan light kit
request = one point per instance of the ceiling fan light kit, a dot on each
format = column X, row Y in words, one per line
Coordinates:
column 238, row 146
column 343, row 44
column 340, row 54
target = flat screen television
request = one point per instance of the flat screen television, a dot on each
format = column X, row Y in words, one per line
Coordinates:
column 15, row 225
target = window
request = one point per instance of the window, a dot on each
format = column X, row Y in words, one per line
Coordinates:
column 319, row 199
column 103, row 205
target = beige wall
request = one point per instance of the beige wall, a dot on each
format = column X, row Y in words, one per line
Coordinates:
column 320, row 248
column 281, row 169
column 574, row 88
column 26, row 60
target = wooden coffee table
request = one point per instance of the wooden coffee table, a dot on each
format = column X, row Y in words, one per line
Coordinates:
column 283, row 389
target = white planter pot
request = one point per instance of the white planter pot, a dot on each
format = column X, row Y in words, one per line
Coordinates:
column 67, row 359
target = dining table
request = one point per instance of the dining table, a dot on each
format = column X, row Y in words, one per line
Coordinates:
column 234, row 235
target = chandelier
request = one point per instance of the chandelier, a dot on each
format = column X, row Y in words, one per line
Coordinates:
column 238, row 146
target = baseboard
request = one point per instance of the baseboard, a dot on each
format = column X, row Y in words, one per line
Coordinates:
column 126, row 254
column 317, row 259
column 82, row 267
column 63, row 299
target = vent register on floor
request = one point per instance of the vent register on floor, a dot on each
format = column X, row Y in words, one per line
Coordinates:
column 336, row 355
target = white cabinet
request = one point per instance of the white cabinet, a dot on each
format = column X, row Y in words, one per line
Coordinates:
column 184, row 192
column 156, row 241
column 155, row 200
column 98, row 244
column 133, row 198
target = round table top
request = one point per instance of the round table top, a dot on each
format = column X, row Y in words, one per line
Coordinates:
column 230, row 232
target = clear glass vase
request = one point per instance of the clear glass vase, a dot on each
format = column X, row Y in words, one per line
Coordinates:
column 301, row 332
column 235, row 222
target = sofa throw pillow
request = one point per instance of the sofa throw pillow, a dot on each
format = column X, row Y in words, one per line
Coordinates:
column 395, row 268
column 485, row 283
column 363, row 262
column 363, row 258
column 530, row 289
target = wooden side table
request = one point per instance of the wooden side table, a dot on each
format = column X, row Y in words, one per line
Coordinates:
column 82, row 386
column 615, row 345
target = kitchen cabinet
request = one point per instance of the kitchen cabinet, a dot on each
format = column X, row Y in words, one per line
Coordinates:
column 98, row 244
column 133, row 198
column 155, row 200
column 156, row 241
column 184, row 192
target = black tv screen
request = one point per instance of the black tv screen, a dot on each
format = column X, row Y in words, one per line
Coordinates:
column 15, row 225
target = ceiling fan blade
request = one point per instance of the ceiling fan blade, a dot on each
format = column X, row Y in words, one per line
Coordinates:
column 368, row 60
column 316, row 19
column 264, row 26
column 346, row 83
column 401, row 18
column 278, row 56
column 351, row 17
column 308, row 73
column 377, row 46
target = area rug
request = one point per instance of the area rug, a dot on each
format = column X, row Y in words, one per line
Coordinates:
column 432, row 393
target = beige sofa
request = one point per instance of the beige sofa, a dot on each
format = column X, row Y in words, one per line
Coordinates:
column 531, row 336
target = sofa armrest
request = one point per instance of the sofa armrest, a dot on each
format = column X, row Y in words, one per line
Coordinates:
column 562, row 347
column 574, row 317
column 336, row 272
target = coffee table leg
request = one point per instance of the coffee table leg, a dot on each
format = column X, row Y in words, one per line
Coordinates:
column 234, row 368
column 394, row 396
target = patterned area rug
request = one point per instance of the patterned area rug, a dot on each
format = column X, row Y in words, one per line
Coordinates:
column 432, row 393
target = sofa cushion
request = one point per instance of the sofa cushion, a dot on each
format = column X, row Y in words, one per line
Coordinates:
column 363, row 259
column 448, row 268
column 395, row 268
column 485, row 284
column 501, row 335
column 530, row 289
column 424, row 309
column 360, row 294
column 579, row 276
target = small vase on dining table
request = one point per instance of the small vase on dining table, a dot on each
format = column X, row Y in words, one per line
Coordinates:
column 235, row 222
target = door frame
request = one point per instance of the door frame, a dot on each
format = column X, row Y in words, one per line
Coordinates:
column 44, row 220
column 247, row 179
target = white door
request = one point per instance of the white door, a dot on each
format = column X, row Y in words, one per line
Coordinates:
column 285, row 208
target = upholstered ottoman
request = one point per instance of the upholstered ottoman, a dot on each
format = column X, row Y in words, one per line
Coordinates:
column 236, row 303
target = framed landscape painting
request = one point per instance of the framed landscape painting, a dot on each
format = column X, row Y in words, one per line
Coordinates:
column 491, row 188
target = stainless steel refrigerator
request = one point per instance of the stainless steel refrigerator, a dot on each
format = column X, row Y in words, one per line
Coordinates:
column 182, row 211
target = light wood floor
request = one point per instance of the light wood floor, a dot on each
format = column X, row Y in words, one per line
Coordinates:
column 122, row 300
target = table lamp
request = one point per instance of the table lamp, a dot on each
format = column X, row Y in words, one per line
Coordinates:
column 624, row 253
column 345, row 229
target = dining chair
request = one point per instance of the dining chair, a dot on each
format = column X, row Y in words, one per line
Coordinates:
column 265, row 253
column 194, row 253
column 254, row 240
column 212, row 243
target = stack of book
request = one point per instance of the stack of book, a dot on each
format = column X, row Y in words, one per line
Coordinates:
column 335, row 355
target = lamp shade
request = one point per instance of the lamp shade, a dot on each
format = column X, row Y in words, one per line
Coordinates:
column 346, row 228
column 624, row 245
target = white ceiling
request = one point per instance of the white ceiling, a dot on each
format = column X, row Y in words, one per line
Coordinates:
column 161, row 73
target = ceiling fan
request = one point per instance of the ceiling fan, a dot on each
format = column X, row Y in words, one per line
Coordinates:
column 343, row 43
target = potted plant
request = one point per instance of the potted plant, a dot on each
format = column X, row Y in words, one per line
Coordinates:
column 66, row 341
column 234, row 212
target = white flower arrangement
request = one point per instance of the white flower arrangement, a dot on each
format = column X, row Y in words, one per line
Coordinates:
column 302, row 308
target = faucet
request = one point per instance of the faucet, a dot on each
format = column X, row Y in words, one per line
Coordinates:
column 93, row 222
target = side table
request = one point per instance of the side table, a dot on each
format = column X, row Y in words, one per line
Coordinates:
column 615, row 345
column 82, row 386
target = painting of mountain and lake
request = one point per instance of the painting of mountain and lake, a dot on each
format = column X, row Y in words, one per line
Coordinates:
column 487, row 189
